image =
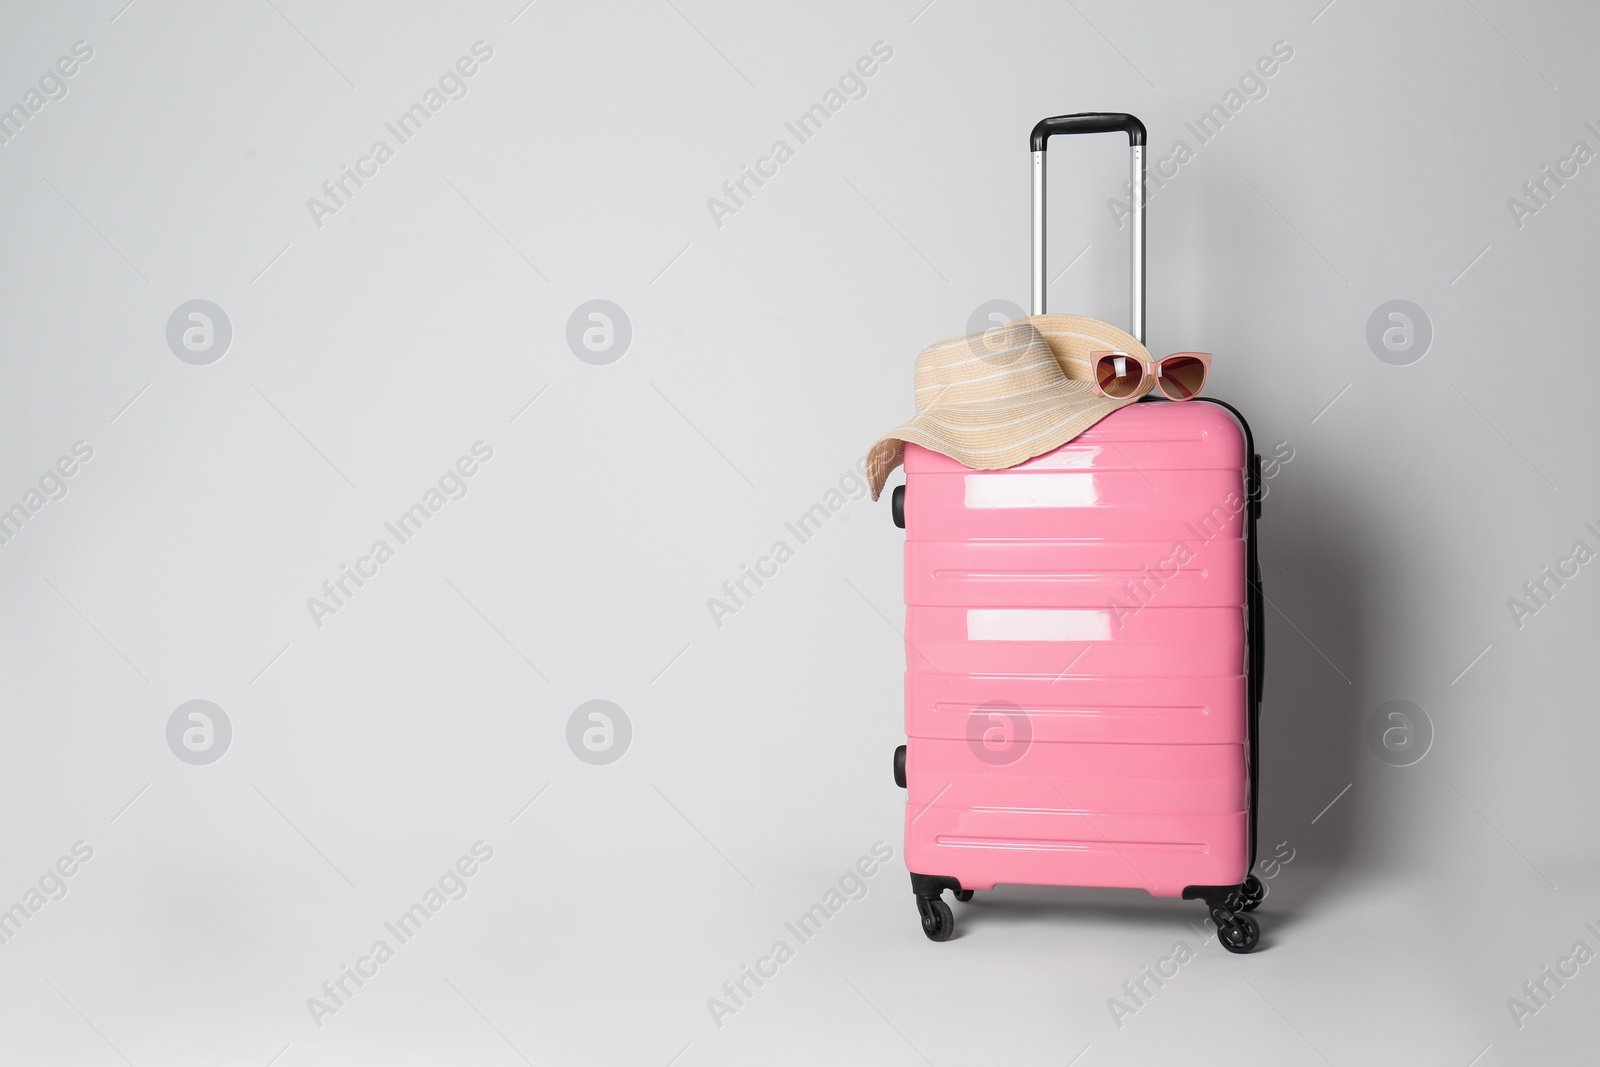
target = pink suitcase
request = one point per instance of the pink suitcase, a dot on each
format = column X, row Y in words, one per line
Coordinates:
column 1084, row 650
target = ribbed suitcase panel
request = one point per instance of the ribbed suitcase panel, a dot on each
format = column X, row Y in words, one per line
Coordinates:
column 1160, row 854
column 1097, row 779
column 1012, row 573
column 1086, row 707
column 1076, row 654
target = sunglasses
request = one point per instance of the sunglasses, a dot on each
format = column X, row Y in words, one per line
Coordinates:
column 1179, row 376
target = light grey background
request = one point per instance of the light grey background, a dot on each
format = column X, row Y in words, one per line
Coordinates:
column 371, row 352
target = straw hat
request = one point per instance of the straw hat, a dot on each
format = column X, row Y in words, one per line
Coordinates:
column 998, row 398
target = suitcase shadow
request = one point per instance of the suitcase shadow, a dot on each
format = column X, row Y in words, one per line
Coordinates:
column 1315, row 696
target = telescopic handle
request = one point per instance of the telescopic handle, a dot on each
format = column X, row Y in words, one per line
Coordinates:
column 1092, row 122
column 1088, row 122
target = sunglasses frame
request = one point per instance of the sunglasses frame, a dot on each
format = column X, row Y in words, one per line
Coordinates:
column 1150, row 376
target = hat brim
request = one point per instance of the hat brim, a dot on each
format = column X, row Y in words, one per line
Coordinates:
column 992, row 437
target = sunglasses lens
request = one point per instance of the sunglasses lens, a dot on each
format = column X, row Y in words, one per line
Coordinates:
column 1118, row 375
column 1182, row 377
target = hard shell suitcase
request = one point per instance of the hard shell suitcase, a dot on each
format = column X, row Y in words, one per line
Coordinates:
column 1084, row 649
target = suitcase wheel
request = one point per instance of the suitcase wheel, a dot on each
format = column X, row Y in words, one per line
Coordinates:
column 1251, row 894
column 937, row 922
column 1241, row 933
column 963, row 895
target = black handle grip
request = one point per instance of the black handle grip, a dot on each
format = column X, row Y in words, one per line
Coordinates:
column 1088, row 122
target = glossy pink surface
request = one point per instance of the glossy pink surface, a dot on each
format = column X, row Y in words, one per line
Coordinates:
column 1075, row 639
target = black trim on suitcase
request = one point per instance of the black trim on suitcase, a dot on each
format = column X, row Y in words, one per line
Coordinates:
column 1255, row 615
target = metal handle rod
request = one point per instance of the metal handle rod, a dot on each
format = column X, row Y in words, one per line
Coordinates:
column 1136, row 253
column 1038, row 234
column 1101, row 123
